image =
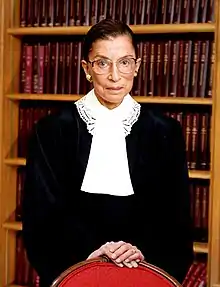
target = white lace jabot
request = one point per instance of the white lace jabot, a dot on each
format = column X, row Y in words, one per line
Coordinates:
column 107, row 170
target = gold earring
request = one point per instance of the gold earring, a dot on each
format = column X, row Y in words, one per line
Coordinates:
column 89, row 78
column 135, row 73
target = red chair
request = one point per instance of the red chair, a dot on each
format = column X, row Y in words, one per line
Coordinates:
column 100, row 272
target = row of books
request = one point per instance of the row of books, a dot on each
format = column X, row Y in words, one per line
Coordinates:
column 28, row 116
column 199, row 199
column 197, row 275
column 196, row 131
column 170, row 68
column 85, row 12
column 25, row 275
column 54, row 68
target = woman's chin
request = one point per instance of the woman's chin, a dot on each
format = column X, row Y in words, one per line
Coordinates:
column 115, row 95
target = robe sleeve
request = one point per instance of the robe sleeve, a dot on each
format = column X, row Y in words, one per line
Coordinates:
column 50, row 224
column 175, row 253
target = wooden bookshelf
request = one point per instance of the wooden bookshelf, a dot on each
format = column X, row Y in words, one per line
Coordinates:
column 12, row 225
column 137, row 29
column 140, row 99
column 198, row 247
column 15, row 162
column 10, row 44
column 200, row 174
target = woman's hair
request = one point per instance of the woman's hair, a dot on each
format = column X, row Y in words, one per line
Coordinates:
column 104, row 30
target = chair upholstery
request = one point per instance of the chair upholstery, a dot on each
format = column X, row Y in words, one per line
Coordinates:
column 98, row 272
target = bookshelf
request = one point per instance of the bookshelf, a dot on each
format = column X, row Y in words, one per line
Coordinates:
column 10, row 47
column 140, row 99
column 13, row 225
column 137, row 29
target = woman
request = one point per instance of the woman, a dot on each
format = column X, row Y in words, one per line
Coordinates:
column 107, row 176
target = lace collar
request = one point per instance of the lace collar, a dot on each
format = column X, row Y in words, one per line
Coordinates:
column 90, row 110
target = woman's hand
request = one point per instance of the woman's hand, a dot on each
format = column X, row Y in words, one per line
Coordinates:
column 121, row 253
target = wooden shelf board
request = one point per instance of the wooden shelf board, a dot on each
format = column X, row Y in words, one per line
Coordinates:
column 15, row 161
column 200, row 174
column 13, row 225
column 198, row 247
column 140, row 99
column 137, row 29
column 15, row 285
column 174, row 100
column 43, row 97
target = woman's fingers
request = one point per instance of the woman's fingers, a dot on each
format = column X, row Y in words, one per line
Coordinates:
column 121, row 253
column 131, row 264
column 137, row 256
column 125, row 255
column 116, row 245
column 122, row 248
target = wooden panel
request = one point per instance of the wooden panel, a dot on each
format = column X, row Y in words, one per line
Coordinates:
column 137, row 29
column 14, row 13
column 200, row 247
column 15, row 161
column 214, row 208
column 13, row 225
column 140, row 99
column 2, row 232
column 200, row 174
column 9, row 70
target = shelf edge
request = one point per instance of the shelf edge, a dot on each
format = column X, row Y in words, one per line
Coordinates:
column 197, row 174
column 198, row 247
column 137, row 29
column 140, row 99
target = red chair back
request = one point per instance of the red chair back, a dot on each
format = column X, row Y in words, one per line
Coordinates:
column 98, row 273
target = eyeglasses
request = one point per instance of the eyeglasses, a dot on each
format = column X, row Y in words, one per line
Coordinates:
column 104, row 66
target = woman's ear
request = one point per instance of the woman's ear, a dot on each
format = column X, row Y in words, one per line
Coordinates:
column 85, row 66
column 138, row 63
column 86, row 70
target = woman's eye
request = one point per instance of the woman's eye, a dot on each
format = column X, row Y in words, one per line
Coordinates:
column 125, row 62
column 102, row 63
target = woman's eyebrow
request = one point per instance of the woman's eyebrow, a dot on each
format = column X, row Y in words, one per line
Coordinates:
column 105, row 57
column 101, row 56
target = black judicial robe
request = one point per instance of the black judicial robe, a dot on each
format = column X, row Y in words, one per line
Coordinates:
column 62, row 225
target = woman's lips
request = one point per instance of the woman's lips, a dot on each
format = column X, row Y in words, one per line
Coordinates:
column 114, row 88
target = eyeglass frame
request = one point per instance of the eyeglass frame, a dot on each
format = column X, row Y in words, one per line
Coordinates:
column 92, row 63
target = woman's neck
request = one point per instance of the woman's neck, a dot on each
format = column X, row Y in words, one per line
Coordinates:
column 107, row 104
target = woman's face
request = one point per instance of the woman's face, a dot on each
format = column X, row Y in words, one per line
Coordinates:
column 111, row 87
